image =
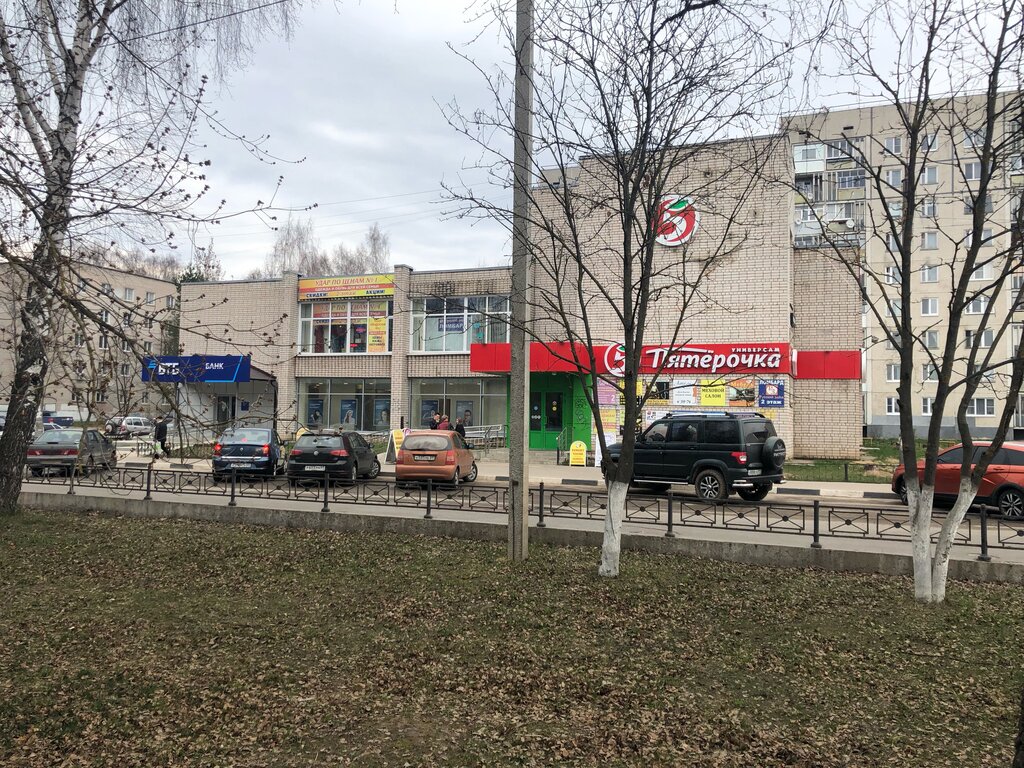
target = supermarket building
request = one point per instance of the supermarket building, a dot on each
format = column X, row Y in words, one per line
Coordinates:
column 779, row 331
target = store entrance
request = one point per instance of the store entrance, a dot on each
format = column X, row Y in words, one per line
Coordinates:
column 550, row 398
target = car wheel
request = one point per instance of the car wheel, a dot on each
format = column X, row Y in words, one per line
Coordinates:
column 710, row 485
column 756, row 493
column 455, row 477
column 374, row 470
column 353, row 474
column 473, row 472
column 1011, row 504
column 901, row 490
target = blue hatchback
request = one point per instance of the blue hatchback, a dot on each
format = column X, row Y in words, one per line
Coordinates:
column 248, row 451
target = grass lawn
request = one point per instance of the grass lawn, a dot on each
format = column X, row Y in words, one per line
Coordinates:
column 145, row 643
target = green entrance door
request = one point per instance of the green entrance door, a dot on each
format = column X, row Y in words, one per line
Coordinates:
column 550, row 396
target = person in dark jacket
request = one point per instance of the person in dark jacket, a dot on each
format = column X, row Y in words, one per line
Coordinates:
column 160, row 434
column 460, row 428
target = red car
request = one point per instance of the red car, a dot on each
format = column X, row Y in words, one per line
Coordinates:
column 437, row 455
column 1001, row 486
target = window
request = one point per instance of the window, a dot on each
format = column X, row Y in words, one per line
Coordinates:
column 721, row 431
column 894, row 145
column 929, row 307
column 1017, row 291
column 929, row 273
column 80, row 369
column 1016, row 331
column 984, row 338
column 894, row 178
column 79, row 340
column 969, row 203
column 926, row 405
column 931, row 339
column 981, row 406
column 929, row 141
column 929, row 372
column 891, row 242
column 126, row 319
column 806, row 153
column 125, row 369
column 129, row 294
column 150, row 322
column 983, row 272
column 100, row 397
column 453, row 324
column 76, row 396
column 357, row 326
column 892, row 371
column 850, row 179
column 147, row 347
column 150, row 297
column 807, row 213
column 170, row 302
column 893, row 308
column 105, row 317
column 125, row 346
column 104, row 342
column 892, row 405
column 930, row 174
column 108, row 289
column 976, row 306
column 986, row 240
column 893, row 276
column 928, row 207
column 841, row 149
column 895, row 208
column 145, row 396
column 975, row 138
column 972, row 171
column 929, row 241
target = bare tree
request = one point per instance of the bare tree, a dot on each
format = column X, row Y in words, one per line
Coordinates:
column 204, row 266
column 296, row 249
column 634, row 106
column 101, row 101
column 372, row 256
column 940, row 215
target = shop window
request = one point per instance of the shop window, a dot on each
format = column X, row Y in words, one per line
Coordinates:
column 454, row 323
column 345, row 327
column 362, row 405
column 477, row 402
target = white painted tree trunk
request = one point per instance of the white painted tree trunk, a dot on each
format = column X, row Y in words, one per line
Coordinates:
column 947, row 537
column 920, row 502
column 611, row 548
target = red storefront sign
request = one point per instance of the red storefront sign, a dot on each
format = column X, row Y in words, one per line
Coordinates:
column 692, row 359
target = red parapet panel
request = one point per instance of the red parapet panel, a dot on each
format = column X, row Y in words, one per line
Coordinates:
column 490, row 358
column 828, row 364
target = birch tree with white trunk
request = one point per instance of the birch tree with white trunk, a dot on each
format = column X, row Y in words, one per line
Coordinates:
column 633, row 103
column 941, row 212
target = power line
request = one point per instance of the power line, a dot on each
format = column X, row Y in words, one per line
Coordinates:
column 199, row 23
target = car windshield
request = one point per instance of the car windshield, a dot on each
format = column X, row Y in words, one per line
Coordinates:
column 260, row 436
column 59, row 437
column 314, row 441
column 427, row 443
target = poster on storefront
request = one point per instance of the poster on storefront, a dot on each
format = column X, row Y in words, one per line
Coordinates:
column 464, row 411
column 685, row 392
column 377, row 335
column 741, row 392
column 348, row 417
column 771, row 394
column 712, row 392
column 450, row 324
column 428, row 409
column 354, row 286
column 607, row 394
column 381, row 412
column 315, row 412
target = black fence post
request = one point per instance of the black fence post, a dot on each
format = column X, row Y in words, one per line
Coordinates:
column 670, row 534
column 327, row 485
column 816, row 542
column 984, row 556
column 846, row 472
column 71, row 479
column 541, row 523
column 430, row 498
column 231, row 501
column 149, row 484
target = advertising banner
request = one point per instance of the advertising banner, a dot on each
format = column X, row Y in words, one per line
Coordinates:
column 699, row 358
column 741, row 392
column 464, row 411
column 377, row 335
column 685, row 392
column 381, row 412
column 314, row 412
column 353, row 286
column 607, row 394
column 428, row 409
column 347, row 414
column 712, row 392
column 451, row 324
column 771, row 394
column 210, row 369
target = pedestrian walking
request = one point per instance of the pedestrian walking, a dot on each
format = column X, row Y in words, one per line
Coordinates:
column 160, row 434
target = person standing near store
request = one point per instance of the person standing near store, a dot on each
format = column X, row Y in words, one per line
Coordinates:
column 460, row 428
column 444, row 424
column 435, row 422
column 160, row 434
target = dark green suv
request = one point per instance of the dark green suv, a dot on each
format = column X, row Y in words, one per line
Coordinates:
column 717, row 453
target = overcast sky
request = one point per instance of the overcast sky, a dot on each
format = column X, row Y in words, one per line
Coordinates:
column 356, row 93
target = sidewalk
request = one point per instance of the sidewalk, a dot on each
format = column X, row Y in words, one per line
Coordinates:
column 553, row 475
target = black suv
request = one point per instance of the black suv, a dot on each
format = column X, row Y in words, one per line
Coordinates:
column 717, row 453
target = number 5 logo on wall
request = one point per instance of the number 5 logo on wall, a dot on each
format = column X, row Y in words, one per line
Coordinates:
column 677, row 220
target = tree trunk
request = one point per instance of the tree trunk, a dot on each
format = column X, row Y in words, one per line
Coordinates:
column 611, row 548
column 1018, row 756
column 947, row 537
column 920, row 502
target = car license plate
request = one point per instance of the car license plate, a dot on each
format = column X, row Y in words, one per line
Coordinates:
column 423, row 458
column 243, row 466
column 316, row 468
column 753, row 472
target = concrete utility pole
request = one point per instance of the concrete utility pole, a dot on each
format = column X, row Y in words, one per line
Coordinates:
column 519, row 432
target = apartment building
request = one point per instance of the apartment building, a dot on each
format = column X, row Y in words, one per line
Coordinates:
column 95, row 367
column 849, row 168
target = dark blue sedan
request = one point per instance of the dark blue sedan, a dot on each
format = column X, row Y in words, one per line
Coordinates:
column 248, row 451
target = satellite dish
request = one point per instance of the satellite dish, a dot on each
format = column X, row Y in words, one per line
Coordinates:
column 850, row 223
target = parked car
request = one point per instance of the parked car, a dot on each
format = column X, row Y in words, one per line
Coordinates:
column 68, row 450
column 435, row 455
column 1001, row 486
column 128, row 426
column 248, row 451
column 49, row 426
column 337, row 455
column 718, row 453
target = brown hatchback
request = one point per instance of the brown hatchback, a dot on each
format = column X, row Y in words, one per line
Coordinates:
column 435, row 455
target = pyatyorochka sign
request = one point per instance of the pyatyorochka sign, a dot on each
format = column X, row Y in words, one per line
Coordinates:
column 701, row 359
